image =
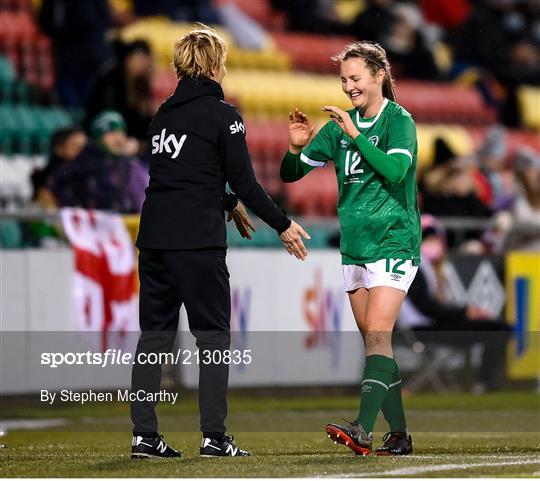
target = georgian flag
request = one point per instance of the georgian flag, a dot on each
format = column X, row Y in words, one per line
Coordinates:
column 105, row 286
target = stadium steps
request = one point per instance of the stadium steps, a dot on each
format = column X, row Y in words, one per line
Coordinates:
column 273, row 94
column 161, row 34
column 27, row 129
column 268, row 141
column 27, row 48
column 311, row 52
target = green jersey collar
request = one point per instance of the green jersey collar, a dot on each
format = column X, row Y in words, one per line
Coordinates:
column 366, row 125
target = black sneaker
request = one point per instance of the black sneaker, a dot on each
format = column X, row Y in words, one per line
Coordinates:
column 152, row 448
column 395, row 444
column 353, row 436
column 226, row 447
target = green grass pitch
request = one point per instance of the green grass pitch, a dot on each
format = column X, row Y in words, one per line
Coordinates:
column 454, row 435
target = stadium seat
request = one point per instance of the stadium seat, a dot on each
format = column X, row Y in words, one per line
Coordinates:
column 435, row 102
column 316, row 194
column 161, row 34
column 273, row 94
column 259, row 10
column 311, row 52
column 457, row 137
column 529, row 105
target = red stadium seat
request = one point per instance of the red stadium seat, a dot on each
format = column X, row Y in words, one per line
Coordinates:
column 260, row 11
column 434, row 102
column 311, row 52
column 316, row 194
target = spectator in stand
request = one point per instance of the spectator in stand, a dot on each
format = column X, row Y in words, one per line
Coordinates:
column 106, row 175
column 484, row 30
column 527, row 206
column 406, row 46
column 521, row 67
column 66, row 144
column 500, row 180
column 313, row 16
column 180, row 11
column 77, row 30
column 429, row 310
column 447, row 14
column 124, row 85
column 450, row 191
column 442, row 155
column 375, row 21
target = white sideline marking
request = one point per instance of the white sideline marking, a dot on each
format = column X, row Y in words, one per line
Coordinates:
column 475, row 456
column 435, row 467
column 15, row 424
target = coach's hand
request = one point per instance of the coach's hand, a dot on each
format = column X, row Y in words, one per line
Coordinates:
column 242, row 220
column 300, row 131
column 292, row 240
column 343, row 120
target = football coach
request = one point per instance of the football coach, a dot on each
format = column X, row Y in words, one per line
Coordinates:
column 198, row 144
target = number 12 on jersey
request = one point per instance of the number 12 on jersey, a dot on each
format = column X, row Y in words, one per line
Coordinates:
column 352, row 160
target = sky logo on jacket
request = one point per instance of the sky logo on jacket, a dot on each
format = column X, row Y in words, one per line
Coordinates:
column 237, row 127
column 161, row 143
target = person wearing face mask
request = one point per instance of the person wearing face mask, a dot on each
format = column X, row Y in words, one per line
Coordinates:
column 198, row 144
column 428, row 310
column 374, row 150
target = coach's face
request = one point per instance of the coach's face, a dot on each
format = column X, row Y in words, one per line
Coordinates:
column 359, row 84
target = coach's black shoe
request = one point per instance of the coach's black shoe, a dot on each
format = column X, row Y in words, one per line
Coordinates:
column 353, row 436
column 152, row 448
column 395, row 444
column 225, row 447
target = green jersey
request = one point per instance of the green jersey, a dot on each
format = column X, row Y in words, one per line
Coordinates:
column 379, row 219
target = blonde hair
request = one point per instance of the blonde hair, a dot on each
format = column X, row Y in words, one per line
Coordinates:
column 199, row 53
column 375, row 57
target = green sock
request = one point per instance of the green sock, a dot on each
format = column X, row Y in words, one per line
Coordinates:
column 378, row 372
column 392, row 406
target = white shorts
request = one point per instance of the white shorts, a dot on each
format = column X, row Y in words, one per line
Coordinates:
column 396, row 273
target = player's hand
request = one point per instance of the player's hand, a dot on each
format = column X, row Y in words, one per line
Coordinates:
column 343, row 120
column 300, row 131
column 292, row 240
column 242, row 220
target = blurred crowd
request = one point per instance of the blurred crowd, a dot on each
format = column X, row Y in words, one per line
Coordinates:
column 484, row 186
column 493, row 44
column 103, row 172
column 103, row 163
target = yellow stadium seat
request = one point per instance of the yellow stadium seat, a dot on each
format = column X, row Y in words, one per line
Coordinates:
column 273, row 94
column 161, row 33
column 529, row 105
column 457, row 138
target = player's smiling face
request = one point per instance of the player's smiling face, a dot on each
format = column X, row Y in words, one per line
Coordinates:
column 359, row 84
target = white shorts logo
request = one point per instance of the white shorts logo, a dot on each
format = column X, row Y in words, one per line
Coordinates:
column 237, row 127
column 160, row 143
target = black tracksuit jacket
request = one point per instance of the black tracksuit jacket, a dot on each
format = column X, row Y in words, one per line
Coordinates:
column 198, row 143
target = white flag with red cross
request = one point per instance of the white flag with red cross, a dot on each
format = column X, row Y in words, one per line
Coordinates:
column 105, row 286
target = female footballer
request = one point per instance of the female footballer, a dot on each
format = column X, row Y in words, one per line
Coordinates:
column 373, row 147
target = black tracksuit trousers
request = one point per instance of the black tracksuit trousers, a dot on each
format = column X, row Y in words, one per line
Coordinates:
column 200, row 281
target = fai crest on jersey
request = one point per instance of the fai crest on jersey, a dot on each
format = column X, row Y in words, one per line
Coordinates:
column 374, row 139
column 344, row 143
